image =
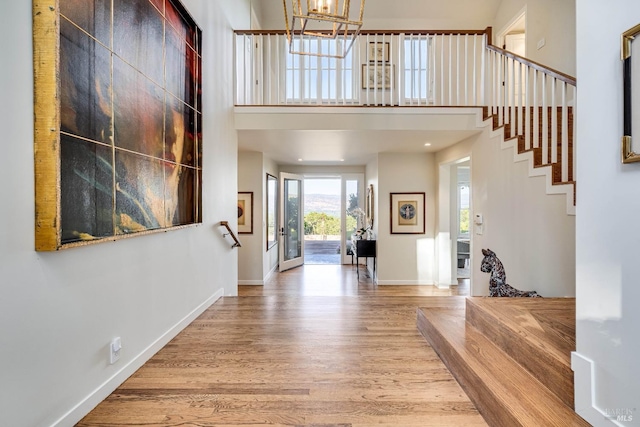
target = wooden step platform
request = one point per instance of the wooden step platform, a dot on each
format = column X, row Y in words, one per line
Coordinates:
column 538, row 334
column 491, row 345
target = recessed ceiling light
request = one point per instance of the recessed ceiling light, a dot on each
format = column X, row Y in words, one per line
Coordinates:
column 299, row 160
column 428, row 144
column 342, row 160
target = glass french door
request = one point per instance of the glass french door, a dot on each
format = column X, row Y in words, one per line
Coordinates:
column 291, row 226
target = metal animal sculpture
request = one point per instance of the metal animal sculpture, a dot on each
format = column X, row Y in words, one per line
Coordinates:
column 498, row 286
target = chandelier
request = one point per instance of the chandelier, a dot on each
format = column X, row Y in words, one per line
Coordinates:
column 315, row 20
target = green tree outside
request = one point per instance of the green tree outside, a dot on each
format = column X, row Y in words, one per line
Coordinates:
column 322, row 224
column 464, row 221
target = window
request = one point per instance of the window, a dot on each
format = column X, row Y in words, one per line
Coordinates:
column 417, row 87
column 311, row 78
column 464, row 201
column 463, row 213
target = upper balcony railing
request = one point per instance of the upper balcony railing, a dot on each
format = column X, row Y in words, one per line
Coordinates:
column 383, row 68
column 416, row 68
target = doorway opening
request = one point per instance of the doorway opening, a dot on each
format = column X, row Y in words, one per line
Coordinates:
column 322, row 220
column 514, row 36
column 332, row 213
column 463, row 223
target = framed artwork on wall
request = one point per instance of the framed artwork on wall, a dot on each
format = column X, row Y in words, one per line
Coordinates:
column 245, row 212
column 377, row 76
column 118, row 118
column 631, row 98
column 369, row 206
column 379, row 52
column 272, row 211
column 407, row 213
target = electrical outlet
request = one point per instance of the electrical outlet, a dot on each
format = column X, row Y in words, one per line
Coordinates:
column 115, row 349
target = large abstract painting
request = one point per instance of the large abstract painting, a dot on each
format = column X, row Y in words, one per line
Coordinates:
column 118, row 117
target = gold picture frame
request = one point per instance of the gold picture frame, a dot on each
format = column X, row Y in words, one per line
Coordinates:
column 630, row 55
column 118, row 118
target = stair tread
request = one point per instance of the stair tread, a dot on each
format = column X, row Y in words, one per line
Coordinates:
column 556, row 173
column 504, row 392
column 537, row 333
column 548, row 324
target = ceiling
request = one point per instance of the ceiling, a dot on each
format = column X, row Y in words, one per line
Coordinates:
column 401, row 14
column 358, row 146
column 343, row 147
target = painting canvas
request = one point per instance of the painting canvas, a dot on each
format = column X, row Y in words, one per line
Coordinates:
column 407, row 213
column 126, row 156
column 245, row 212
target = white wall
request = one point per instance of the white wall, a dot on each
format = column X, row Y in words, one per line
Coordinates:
column 405, row 258
column 250, row 256
column 59, row 311
column 425, row 14
column 607, row 235
column 553, row 20
column 528, row 229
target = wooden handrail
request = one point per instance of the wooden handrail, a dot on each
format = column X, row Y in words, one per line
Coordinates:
column 374, row 32
column 535, row 65
column 236, row 243
column 488, row 31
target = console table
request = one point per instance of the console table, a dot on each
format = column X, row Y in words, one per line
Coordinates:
column 364, row 249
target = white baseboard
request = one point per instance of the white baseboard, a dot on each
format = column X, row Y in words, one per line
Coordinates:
column 270, row 273
column 585, row 392
column 251, row 282
column 405, row 282
column 105, row 389
column 445, row 285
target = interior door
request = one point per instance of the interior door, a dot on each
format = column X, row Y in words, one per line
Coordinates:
column 291, row 226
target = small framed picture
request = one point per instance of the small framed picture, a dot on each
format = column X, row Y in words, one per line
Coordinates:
column 245, row 212
column 369, row 206
column 379, row 52
column 377, row 76
column 407, row 213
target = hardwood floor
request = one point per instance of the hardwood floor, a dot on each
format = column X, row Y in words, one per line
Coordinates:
column 313, row 347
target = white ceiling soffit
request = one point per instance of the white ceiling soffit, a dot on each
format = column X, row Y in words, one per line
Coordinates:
column 350, row 136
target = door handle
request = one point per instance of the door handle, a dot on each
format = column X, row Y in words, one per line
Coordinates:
column 282, row 233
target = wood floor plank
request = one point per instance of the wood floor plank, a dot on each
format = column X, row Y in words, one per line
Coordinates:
column 312, row 348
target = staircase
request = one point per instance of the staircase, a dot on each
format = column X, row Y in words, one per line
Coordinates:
column 533, row 106
column 555, row 161
column 510, row 355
